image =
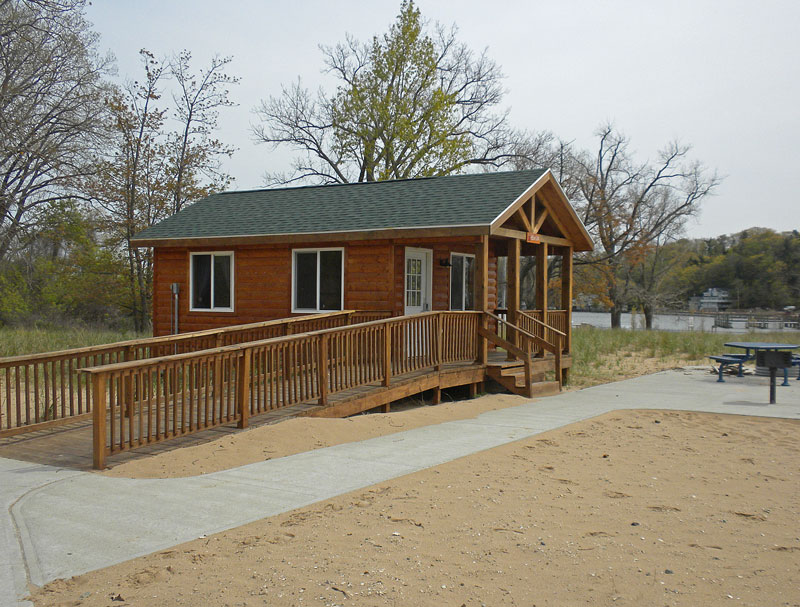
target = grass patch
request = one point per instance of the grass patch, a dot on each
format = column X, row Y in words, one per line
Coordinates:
column 15, row 341
column 604, row 355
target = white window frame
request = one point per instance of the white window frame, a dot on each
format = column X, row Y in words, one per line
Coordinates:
column 463, row 278
column 295, row 309
column 191, row 281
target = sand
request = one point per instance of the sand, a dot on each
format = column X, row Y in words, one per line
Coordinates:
column 630, row 508
column 302, row 434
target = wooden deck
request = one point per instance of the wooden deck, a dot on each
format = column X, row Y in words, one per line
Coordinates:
column 70, row 445
column 142, row 406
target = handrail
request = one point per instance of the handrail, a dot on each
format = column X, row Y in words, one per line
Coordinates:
column 544, row 343
column 148, row 341
column 143, row 363
column 46, row 388
column 144, row 401
column 543, row 324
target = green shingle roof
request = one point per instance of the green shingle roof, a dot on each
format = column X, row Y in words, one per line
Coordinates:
column 456, row 200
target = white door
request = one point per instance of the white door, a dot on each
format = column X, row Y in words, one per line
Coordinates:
column 418, row 280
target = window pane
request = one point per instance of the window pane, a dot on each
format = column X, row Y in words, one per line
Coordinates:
column 222, row 281
column 305, row 281
column 330, row 280
column 457, row 283
column 201, row 281
column 469, row 279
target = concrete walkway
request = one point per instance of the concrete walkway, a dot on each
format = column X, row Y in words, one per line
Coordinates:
column 58, row 523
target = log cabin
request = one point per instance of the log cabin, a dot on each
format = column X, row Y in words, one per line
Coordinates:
column 392, row 248
column 403, row 247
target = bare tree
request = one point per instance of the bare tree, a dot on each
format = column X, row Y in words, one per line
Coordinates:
column 148, row 171
column 51, row 109
column 133, row 184
column 626, row 204
column 195, row 152
column 409, row 104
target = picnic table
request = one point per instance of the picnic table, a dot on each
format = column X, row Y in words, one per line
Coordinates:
column 755, row 346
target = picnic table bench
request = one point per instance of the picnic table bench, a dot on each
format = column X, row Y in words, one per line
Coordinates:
column 729, row 359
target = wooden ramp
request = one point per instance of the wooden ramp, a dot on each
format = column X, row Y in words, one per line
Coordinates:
column 70, row 445
column 145, row 406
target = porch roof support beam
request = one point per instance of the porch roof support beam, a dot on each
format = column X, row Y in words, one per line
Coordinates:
column 482, row 292
column 518, row 234
column 541, row 280
column 513, row 284
column 566, row 294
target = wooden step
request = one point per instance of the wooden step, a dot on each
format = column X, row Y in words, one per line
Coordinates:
column 544, row 388
column 512, row 378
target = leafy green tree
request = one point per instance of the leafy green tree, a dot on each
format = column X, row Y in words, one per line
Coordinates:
column 409, row 104
column 64, row 274
column 759, row 267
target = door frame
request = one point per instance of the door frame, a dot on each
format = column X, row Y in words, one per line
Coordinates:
column 427, row 276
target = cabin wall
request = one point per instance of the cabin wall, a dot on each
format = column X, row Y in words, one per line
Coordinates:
column 373, row 280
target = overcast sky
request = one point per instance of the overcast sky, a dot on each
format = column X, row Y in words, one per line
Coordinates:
column 721, row 75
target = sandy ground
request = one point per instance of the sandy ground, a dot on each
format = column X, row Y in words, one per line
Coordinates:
column 631, row 508
column 304, row 434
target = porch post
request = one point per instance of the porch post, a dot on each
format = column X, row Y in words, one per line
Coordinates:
column 541, row 280
column 482, row 292
column 512, row 286
column 566, row 294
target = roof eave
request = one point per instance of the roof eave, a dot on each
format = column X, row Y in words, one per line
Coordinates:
column 289, row 238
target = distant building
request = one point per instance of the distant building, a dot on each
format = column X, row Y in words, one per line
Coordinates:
column 712, row 300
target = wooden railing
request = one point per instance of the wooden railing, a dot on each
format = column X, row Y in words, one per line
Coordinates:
column 528, row 321
column 521, row 343
column 531, row 321
column 41, row 390
column 148, row 401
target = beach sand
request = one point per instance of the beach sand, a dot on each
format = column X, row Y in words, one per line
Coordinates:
column 630, row 508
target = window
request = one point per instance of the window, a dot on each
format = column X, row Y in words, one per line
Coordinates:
column 317, row 280
column 462, row 281
column 211, row 281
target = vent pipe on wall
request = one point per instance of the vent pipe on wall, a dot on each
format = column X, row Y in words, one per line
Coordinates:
column 176, row 289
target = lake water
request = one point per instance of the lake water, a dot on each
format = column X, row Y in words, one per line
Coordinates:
column 673, row 322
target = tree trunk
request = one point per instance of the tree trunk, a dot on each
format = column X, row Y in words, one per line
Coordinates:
column 616, row 317
column 648, row 316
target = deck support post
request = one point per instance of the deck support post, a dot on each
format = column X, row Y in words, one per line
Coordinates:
column 437, row 396
column 99, row 383
column 482, row 294
column 243, row 388
column 566, row 305
column 322, row 370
